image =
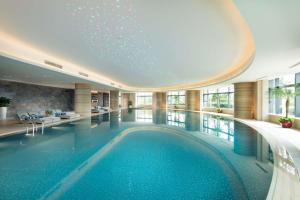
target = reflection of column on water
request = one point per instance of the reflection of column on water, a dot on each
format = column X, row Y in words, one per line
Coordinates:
column 128, row 115
column 96, row 120
column 159, row 116
column 105, row 117
column 82, row 129
column 114, row 120
column 245, row 139
column 192, row 121
column 263, row 151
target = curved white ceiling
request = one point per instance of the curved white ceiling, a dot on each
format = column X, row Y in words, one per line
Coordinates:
column 275, row 26
column 141, row 44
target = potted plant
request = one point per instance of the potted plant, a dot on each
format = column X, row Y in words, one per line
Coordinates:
column 286, row 93
column 286, row 122
column 219, row 110
column 4, row 103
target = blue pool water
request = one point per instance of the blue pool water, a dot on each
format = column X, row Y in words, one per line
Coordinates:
column 138, row 154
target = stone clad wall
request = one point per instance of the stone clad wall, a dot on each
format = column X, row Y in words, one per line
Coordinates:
column 114, row 99
column 27, row 97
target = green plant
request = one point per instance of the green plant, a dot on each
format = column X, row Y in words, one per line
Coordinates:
column 286, row 119
column 286, row 93
column 219, row 110
column 176, row 100
column 215, row 98
column 4, row 102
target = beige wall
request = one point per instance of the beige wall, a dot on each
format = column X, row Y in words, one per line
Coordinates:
column 82, row 99
column 192, row 100
column 245, row 100
column 159, row 100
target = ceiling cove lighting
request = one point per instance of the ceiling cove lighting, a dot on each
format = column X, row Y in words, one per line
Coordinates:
column 16, row 49
column 19, row 50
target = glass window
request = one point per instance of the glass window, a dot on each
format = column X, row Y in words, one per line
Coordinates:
column 176, row 98
column 219, row 98
column 277, row 103
column 144, row 98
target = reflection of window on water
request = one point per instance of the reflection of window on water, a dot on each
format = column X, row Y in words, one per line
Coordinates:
column 144, row 98
column 270, row 155
column 176, row 119
column 223, row 128
column 144, row 115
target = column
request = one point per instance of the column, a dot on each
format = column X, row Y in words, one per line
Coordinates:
column 192, row 100
column 128, row 100
column 262, row 99
column 132, row 99
column 114, row 99
column 159, row 100
column 245, row 100
column 125, row 100
column 83, row 99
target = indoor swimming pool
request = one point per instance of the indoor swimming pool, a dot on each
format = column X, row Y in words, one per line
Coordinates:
column 138, row 154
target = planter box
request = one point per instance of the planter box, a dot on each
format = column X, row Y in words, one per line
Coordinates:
column 3, row 112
